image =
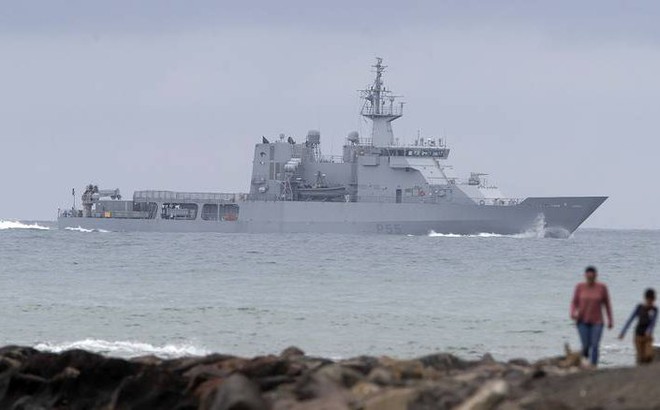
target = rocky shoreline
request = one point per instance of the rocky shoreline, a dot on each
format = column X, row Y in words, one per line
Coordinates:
column 77, row 379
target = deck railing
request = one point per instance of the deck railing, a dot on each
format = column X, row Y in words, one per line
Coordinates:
column 148, row 196
column 497, row 201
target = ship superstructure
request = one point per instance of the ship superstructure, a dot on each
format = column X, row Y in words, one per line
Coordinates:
column 377, row 185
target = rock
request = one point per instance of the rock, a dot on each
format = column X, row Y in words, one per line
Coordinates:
column 202, row 373
column 614, row 388
column 514, row 375
column 444, row 362
column 19, row 353
column 152, row 388
column 315, row 386
column 333, row 402
column 362, row 364
column 205, row 371
column 364, row 390
column 185, row 363
column 519, row 362
column 77, row 379
column 392, row 399
column 308, row 364
column 43, row 365
column 67, row 373
column 30, row 403
column 55, row 380
column 404, row 369
column 508, row 405
column 539, row 374
column 286, row 403
column 343, row 376
column 467, row 377
column 204, row 392
column 447, row 394
column 487, row 358
column 325, row 388
column 237, row 392
column 7, row 363
column 148, row 360
column 92, row 383
column 296, row 368
column 536, row 403
column 487, row 397
column 272, row 382
column 265, row 366
column 20, row 385
column 259, row 367
column 382, row 376
column 329, row 382
column 292, row 352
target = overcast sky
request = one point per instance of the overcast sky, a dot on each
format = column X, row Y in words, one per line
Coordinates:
column 550, row 98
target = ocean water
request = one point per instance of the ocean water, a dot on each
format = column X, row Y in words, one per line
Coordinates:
column 129, row 294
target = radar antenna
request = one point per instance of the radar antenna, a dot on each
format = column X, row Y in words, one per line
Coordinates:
column 376, row 109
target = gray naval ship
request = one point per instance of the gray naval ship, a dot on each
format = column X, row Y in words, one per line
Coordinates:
column 377, row 186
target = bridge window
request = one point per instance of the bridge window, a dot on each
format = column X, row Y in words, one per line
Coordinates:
column 210, row 212
column 216, row 212
column 230, row 212
column 147, row 210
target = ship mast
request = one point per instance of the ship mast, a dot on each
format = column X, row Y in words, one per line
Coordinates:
column 379, row 107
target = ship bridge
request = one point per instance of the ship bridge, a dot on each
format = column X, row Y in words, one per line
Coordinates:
column 374, row 169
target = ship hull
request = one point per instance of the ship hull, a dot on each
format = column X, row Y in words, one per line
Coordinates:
column 557, row 216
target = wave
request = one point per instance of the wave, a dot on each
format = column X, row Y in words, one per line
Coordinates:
column 530, row 234
column 537, row 230
column 124, row 348
column 434, row 234
column 81, row 229
column 20, row 225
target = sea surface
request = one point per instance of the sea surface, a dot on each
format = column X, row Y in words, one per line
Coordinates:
column 174, row 294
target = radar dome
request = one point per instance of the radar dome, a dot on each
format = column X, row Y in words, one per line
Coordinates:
column 354, row 137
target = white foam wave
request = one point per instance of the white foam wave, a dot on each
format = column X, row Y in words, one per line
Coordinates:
column 434, row 234
column 488, row 235
column 81, row 229
column 20, row 225
column 124, row 348
column 529, row 234
column 537, row 230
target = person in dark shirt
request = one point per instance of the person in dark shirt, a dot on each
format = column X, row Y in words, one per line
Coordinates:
column 646, row 314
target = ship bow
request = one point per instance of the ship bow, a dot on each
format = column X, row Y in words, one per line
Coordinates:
column 563, row 215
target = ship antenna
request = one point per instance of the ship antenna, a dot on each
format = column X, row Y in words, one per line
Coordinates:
column 376, row 109
column 377, row 88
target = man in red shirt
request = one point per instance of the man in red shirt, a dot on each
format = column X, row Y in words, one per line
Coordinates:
column 587, row 310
